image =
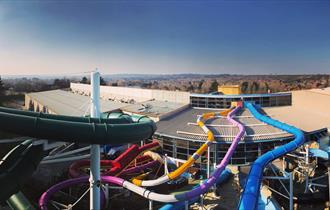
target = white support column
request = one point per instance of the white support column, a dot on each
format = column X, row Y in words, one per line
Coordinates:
column 307, row 154
column 291, row 191
column 329, row 184
column 186, row 205
column 208, row 162
column 201, row 204
column 307, row 165
column 165, row 164
column 107, row 195
column 95, row 178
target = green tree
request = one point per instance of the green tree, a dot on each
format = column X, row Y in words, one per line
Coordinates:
column 102, row 81
column 2, row 87
column 190, row 87
column 244, row 87
column 61, row 83
column 84, row 80
column 200, row 85
column 267, row 87
column 214, row 86
column 254, row 88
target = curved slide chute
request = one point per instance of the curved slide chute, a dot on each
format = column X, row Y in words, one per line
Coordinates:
column 109, row 118
column 76, row 129
column 161, row 197
column 118, row 165
column 18, row 166
column 250, row 195
column 141, row 167
column 224, row 177
column 202, row 188
column 180, row 170
column 319, row 153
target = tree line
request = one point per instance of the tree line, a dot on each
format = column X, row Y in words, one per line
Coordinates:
column 249, row 84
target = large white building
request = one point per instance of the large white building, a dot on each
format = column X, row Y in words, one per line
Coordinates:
column 176, row 112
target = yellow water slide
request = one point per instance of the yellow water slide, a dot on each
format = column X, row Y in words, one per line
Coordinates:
column 180, row 170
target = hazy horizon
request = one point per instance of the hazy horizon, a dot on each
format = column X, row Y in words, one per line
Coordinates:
column 164, row 37
column 135, row 75
column 153, row 74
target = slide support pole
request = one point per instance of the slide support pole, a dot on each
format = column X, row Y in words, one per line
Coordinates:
column 186, row 205
column 95, row 178
column 329, row 183
column 208, row 161
column 291, row 191
column 201, row 204
column 165, row 164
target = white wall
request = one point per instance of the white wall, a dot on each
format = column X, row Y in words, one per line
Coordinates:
column 137, row 94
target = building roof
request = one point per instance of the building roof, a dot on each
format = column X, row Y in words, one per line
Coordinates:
column 229, row 86
column 154, row 109
column 309, row 111
column 302, row 118
column 134, row 94
column 182, row 125
column 323, row 91
column 239, row 95
column 67, row 103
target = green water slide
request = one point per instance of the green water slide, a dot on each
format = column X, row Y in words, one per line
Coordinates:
column 19, row 202
column 20, row 163
column 112, row 128
column 15, row 169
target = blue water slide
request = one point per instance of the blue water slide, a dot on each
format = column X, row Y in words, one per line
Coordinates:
column 250, row 195
column 320, row 153
column 225, row 175
column 267, row 203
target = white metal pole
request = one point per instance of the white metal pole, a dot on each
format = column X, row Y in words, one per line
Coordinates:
column 186, row 205
column 95, row 178
column 201, row 205
column 307, row 165
column 208, row 161
column 307, row 154
column 106, row 192
column 291, row 191
column 165, row 164
column 329, row 183
column 215, row 184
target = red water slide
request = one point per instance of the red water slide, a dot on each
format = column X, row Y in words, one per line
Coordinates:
column 129, row 158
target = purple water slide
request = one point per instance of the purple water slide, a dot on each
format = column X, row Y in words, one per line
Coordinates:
column 45, row 197
column 212, row 180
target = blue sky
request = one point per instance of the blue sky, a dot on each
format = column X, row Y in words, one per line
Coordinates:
column 248, row 37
